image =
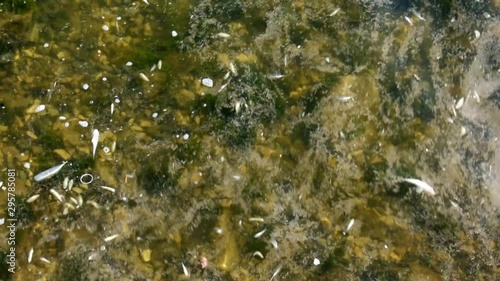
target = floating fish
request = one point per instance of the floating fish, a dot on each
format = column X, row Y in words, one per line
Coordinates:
column 50, row 172
column 421, row 186
column 95, row 140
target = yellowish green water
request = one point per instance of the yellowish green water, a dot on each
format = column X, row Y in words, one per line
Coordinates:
column 269, row 137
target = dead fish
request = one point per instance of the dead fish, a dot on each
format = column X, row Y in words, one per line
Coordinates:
column 95, row 140
column 421, row 186
column 50, row 172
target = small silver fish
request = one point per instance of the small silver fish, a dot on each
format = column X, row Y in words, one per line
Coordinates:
column 421, row 186
column 95, row 140
column 50, row 172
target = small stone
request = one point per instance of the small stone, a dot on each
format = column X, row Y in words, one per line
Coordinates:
column 316, row 261
column 85, row 86
column 174, row 33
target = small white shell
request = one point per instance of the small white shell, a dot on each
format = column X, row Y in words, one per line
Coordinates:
column 144, row 77
column 460, row 103
column 110, row 238
column 32, row 198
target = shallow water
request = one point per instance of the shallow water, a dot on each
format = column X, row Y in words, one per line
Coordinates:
column 289, row 166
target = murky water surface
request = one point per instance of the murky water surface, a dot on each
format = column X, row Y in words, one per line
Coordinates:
column 250, row 140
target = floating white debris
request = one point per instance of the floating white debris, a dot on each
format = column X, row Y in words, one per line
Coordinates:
column 174, row 33
column 460, row 103
column 144, row 77
column 32, row 198
column 207, row 82
column 50, row 172
column 56, row 195
column 95, row 140
column 84, row 124
column 185, row 270
column 86, row 178
column 30, row 255
column 477, row 34
column 316, row 261
column 349, row 226
column 129, row 63
column 108, row 188
column 85, row 86
column 110, row 238
column 40, row 108
column 409, row 20
column 260, row 233
column 421, row 186
column 223, row 35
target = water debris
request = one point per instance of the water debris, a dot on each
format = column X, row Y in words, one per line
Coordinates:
column 185, row 270
column 32, row 198
column 349, row 226
column 30, row 255
column 207, row 82
column 259, row 234
column 276, row 272
column 421, row 186
column 409, row 21
column 108, row 188
column 343, row 98
column 223, row 35
column 335, row 12
column 95, row 140
column 49, row 172
column 144, row 77
column 258, row 254
column 87, row 181
column 110, row 238
column 56, row 195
